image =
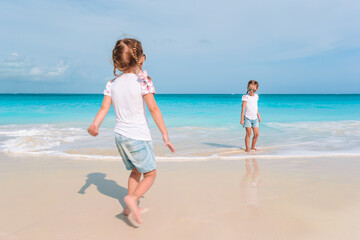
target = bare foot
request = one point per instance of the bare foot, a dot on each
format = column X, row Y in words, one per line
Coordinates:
column 247, row 150
column 131, row 203
column 127, row 212
column 255, row 149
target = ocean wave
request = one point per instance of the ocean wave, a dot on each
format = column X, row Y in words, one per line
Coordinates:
column 296, row 139
column 34, row 138
column 328, row 128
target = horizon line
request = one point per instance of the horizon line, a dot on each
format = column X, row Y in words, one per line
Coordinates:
column 197, row 93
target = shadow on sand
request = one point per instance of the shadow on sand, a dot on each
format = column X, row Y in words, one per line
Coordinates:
column 221, row 145
column 109, row 188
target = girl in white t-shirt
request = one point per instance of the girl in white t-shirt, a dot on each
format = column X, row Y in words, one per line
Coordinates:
column 128, row 93
column 250, row 116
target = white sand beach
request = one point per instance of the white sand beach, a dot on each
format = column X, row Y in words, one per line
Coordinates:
column 65, row 199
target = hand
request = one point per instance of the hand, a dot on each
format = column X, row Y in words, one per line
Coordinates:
column 168, row 143
column 93, row 130
column 259, row 119
column 242, row 122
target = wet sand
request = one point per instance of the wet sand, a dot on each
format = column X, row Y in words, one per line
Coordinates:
column 56, row 198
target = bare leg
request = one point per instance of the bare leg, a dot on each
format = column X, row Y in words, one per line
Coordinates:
column 247, row 139
column 132, row 199
column 134, row 180
column 255, row 138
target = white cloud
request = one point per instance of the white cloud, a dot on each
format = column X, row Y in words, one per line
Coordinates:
column 36, row 71
column 59, row 70
column 17, row 66
column 14, row 60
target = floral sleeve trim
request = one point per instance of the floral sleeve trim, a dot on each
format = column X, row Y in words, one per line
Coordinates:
column 107, row 90
column 147, row 85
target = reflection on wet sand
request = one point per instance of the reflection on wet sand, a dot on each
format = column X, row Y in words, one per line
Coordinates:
column 250, row 187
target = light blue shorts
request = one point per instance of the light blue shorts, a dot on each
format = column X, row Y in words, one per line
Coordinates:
column 136, row 153
column 249, row 123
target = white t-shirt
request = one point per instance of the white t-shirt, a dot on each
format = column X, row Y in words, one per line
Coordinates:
column 251, row 107
column 126, row 92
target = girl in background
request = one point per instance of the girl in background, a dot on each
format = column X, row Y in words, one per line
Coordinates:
column 250, row 116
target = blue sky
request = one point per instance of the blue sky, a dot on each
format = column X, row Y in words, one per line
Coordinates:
column 308, row 46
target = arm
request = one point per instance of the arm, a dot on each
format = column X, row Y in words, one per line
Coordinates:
column 104, row 109
column 83, row 188
column 258, row 114
column 242, row 113
column 157, row 116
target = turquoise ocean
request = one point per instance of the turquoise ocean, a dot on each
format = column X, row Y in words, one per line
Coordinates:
column 201, row 126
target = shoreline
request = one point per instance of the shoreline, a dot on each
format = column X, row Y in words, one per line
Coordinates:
column 185, row 159
column 177, row 94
